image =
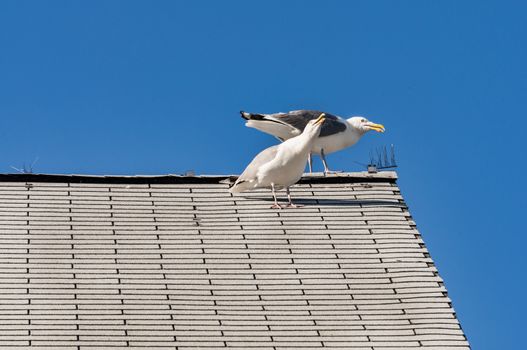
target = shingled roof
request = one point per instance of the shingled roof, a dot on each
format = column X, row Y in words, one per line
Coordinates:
column 175, row 262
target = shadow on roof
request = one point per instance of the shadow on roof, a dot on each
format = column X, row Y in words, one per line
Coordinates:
column 333, row 202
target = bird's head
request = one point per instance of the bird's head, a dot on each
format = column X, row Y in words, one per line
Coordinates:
column 363, row 125
column 314, row 125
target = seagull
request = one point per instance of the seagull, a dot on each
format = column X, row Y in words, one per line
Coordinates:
column 336, row 134
column 281, row 165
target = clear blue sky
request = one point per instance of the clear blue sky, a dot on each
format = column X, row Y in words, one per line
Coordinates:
column 154, row 87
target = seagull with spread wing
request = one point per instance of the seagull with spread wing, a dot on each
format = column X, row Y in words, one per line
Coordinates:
column 336, row 133
column 281, row 165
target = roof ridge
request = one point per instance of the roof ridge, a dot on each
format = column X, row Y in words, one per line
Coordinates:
column 344, row 177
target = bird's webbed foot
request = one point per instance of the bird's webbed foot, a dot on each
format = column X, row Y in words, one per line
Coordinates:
column 291, row 205
column 276, row 206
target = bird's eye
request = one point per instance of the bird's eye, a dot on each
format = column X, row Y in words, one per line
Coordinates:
column 363, row 120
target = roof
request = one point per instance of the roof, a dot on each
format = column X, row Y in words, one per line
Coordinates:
column 177, row 262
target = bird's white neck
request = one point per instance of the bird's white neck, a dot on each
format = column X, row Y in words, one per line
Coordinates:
column 352, row 136
column 308, row 139
column 301, row 143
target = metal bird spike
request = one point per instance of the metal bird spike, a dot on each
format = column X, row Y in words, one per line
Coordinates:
column 26, row 169
column 392, row 148
column 382, row 159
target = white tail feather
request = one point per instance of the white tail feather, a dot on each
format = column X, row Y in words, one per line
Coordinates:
column 281, row 131
column 241, row 186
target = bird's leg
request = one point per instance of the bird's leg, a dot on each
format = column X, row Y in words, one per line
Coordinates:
column 275, row 205
column 290, row 204
column 326, row 168
column 310, row 162
column 323, row 156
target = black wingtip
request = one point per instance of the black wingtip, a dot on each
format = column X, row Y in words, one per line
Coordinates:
column 245, row 115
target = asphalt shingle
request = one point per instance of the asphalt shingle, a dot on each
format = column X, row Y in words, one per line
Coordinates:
column 179, row 263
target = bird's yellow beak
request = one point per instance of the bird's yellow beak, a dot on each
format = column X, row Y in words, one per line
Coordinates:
column 376, row 127
column 320, row 119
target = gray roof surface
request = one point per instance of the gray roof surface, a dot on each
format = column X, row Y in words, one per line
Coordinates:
column 179, row 263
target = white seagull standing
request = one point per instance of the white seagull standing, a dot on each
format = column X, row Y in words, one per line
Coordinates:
column 281, row 165
column 336, row 134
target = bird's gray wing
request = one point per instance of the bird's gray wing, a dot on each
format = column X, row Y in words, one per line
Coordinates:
column 262, row 158
column 299, row 119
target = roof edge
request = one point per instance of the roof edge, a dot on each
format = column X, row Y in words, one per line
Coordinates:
column 383, row 176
